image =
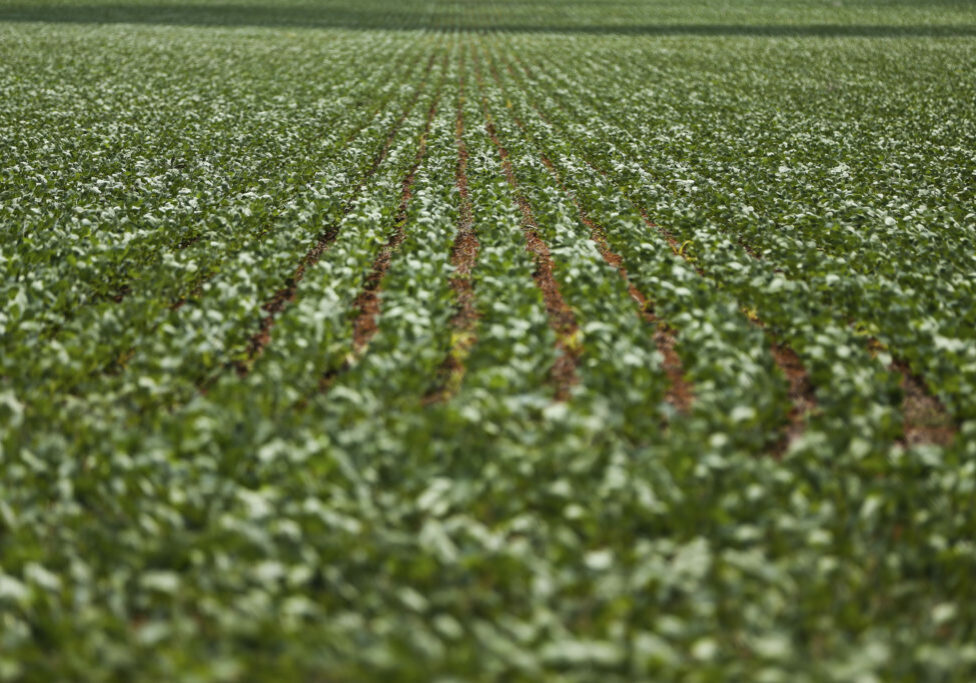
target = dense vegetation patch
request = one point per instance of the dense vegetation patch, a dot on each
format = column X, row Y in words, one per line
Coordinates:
column 415, row 340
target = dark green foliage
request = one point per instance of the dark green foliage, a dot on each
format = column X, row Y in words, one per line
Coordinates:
column 206, row 474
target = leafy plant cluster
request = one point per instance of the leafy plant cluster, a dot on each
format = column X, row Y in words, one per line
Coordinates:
column 211, row 468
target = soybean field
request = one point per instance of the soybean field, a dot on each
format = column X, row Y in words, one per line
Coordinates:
column 432, row 340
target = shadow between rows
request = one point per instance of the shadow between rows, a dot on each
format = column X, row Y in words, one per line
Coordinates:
column 364, row 17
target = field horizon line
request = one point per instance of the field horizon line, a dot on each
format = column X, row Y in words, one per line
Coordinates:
column 268, row 16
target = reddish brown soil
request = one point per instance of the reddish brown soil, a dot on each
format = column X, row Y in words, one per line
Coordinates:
column 803, row 398
column 801, row 390
column 925, row 418
column 464, row 256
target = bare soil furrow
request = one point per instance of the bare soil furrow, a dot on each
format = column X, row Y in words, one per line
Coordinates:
column 561, row 318
column 802, row 395
column 367, row 304
column 464, row 257
column 926, row 421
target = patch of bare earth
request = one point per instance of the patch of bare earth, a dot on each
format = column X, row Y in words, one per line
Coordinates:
column 926, row 420
column 802, row 395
